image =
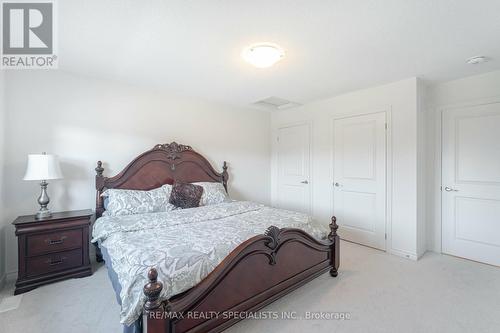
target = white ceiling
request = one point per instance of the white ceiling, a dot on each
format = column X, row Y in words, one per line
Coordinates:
column 192, row 48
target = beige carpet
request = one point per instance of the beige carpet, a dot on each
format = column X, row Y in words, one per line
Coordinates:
column 380, row 293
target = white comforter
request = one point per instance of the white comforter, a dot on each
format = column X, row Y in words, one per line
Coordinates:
column 184, row 245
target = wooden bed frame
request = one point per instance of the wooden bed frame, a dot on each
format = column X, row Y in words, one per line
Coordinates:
column 259, row 271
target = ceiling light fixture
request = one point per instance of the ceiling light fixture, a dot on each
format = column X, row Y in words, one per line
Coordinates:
column 477, row 60
column 263, row 55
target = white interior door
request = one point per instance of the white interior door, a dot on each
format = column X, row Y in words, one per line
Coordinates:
column 360, row 178
column 293, row 168
column 471, row 183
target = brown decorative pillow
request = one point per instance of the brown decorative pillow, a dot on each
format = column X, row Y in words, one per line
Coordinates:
column 186, row 195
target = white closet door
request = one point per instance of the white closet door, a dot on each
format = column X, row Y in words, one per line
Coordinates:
column 360, row 178
column 293, row 168
column 471, row 183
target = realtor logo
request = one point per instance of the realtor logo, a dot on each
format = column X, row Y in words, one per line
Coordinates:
column 28, row 35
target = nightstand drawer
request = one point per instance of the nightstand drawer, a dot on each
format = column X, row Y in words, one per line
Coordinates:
column 52, row 242
column 53, row 262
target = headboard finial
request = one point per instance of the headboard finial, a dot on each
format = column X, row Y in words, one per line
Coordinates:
column 225, row 175
column 99, row 169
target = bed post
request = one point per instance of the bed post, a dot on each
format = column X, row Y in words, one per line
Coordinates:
column 224, row 175
column 335, row 247
column 155, row 319
column 99, row 206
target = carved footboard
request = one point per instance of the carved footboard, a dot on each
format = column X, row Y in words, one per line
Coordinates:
column 259, row 271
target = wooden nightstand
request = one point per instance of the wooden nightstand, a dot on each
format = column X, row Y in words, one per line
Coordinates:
column 52, row 249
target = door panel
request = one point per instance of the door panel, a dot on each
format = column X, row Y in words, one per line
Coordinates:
column 359, row 178
column 476, row 137
column 293, row 168
column 486, row 214
column 471, row 183
column 359, row 218
column 359, row 153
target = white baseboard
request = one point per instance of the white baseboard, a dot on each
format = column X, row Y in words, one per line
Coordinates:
column 404, row 254
column 421, row 255
column 7, row 277
column 11, row 276
column 3, row 281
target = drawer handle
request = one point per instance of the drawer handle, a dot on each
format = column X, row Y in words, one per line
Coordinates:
column 55, row 242
column 57, row 262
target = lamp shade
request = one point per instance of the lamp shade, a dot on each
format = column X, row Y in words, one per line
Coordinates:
column 42, row 167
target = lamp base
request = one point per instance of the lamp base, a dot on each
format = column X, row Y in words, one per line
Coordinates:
column 43, row 200
column 43, row 214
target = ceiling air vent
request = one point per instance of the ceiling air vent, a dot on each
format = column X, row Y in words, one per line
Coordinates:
column 275, row 103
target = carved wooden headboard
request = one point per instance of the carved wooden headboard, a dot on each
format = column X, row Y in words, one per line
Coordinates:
column 164, row 164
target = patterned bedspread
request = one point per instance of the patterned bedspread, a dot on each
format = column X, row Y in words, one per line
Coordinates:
column 184, row 245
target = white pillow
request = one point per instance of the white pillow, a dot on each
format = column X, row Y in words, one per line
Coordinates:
column 129, row 202
column 213, row 193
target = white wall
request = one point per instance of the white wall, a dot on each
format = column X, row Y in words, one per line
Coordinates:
column 469, row 90
column 399, row 99
column 84, row 120
column 3, row 220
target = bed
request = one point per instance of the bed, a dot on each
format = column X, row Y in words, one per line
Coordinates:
column 246, row 255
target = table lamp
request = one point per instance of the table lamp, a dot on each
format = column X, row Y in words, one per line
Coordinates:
column 43, row 167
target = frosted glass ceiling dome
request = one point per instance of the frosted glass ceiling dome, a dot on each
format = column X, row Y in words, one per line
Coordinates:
column 263, row 55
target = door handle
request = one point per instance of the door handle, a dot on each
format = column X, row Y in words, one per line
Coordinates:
column 336, row 185
column 304, row 182
column 449, row 189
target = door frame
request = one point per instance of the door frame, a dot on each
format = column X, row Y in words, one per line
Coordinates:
column 388, row 170
column 438, row 214
column 309, row 125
